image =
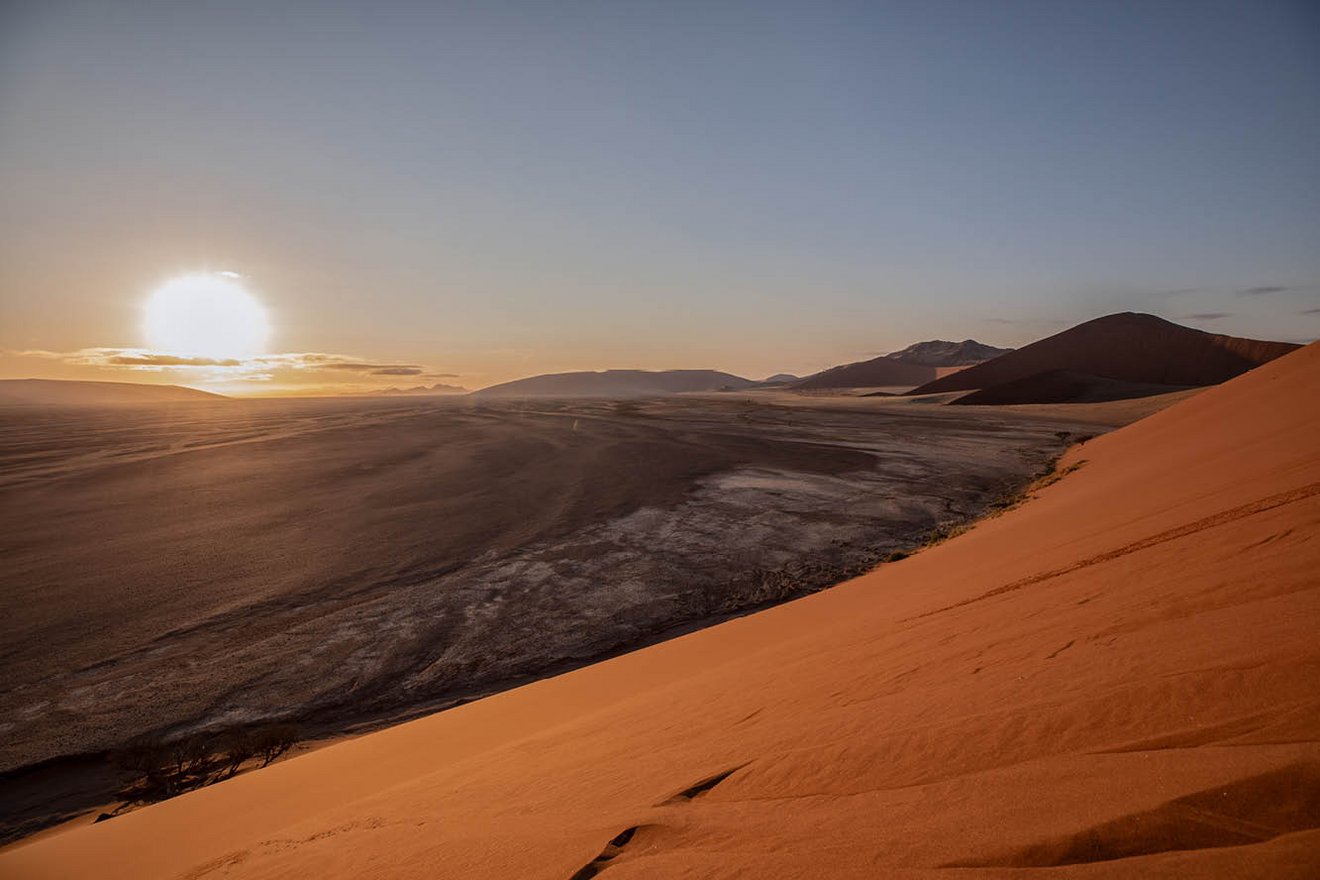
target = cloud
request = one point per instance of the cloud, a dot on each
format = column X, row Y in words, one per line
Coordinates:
column 257, row 368
column 1207, row 316
column 320, row 363
column 126, row 357
column 1311, row 312
column 319, row 360
column 131, row 358
column 168, row 360
column 1218, row 290
column 1180, row 291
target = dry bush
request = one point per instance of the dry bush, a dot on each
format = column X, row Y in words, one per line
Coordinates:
column 274, row 740
column 158, row 769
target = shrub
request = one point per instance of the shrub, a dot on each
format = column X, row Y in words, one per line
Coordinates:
column 272, row 741
column 160, row 769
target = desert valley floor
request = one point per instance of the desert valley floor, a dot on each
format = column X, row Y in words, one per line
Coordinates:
column 341, row 562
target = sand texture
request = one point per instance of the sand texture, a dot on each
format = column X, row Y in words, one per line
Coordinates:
column 1120, row 677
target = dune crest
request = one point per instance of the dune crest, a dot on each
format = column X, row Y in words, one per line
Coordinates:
column 1117, row 678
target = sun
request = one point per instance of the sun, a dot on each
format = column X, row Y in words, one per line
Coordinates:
column 207, row 315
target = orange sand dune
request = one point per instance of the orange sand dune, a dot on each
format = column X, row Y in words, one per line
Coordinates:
column 1120, row 678
column 1128, row 347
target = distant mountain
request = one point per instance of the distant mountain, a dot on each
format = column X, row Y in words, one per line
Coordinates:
column 617, row 383
column 1128, row 347
column 422, row 390
column 914, row 365
column 68, row 392
column 941, row 353
column 780, row 379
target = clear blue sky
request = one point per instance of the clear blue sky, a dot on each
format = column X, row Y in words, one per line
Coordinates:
column 496, row 189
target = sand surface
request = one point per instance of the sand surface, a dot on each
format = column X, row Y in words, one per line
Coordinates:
column 1119, row 678
column 345, row 562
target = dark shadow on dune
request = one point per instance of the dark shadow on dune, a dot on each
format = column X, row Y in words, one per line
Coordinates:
column 612, row 849
column 697, row 789
column 1064, row 386
column 1248, row 811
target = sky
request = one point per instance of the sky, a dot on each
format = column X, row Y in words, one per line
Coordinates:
column 466, row 193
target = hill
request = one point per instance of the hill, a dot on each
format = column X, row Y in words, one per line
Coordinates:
column 1117, row 678
column 65, row 392
column 617, row 383
column 917, row 364
column 1129, row 347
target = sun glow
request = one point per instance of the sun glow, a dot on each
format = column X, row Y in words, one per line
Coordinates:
column 208, row 315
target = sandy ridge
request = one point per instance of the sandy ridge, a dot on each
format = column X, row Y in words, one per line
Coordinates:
column 1224, row 517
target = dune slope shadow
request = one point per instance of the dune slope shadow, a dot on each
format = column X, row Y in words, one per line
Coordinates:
column 612, row 849
column 623, row 838
column 697, row 789
column 1251, row 810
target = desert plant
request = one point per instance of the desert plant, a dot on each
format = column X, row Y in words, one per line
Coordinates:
column 236, row 749
column 190, row 763
column 272, row 741
column 145, row 759
column 160, row 769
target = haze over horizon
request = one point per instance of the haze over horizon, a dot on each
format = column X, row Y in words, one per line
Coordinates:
column 470, row 194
